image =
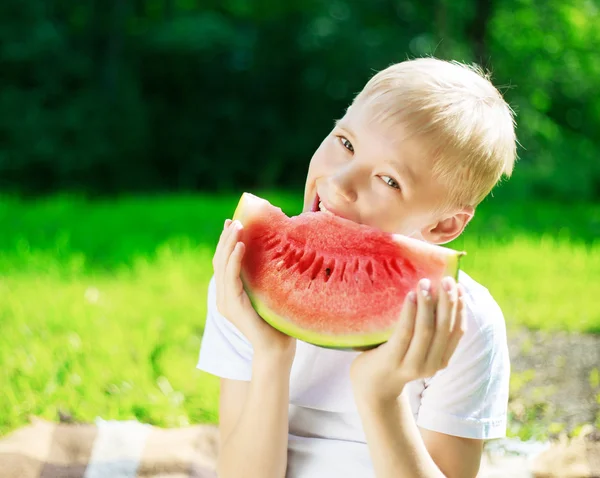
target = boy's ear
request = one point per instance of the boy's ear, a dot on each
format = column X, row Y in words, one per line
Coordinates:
column 449, row 227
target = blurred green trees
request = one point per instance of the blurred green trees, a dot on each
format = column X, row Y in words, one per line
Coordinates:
column 117, row 95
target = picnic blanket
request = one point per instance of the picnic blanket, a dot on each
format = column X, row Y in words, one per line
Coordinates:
column 113, row 449
column 108, row 449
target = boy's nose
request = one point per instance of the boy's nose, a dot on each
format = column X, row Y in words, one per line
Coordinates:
column 343, row 185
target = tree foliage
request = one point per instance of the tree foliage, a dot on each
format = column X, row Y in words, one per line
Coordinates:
column 116, row 95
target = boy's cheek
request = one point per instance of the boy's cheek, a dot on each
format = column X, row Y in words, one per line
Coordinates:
column 324, row 163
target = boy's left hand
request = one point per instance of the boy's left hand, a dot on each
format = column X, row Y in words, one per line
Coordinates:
column 425, row 338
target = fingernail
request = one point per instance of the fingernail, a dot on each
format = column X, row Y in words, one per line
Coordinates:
column 237, row 225
column 225, row 223
column 460, row 290
column 425, row 286
column 447, row 283
column 412, row 297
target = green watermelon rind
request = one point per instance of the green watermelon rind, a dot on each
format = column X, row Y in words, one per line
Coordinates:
column 342, row 342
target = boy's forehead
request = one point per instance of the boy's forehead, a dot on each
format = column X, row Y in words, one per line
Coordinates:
column 370, row 118
column 385, row 134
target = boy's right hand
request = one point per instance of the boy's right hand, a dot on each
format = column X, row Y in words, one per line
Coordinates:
column 233, row 302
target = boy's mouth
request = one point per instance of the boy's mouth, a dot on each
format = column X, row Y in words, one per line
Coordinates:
column 318, row 206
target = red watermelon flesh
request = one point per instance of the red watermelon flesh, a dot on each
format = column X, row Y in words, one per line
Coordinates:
column 330, row 281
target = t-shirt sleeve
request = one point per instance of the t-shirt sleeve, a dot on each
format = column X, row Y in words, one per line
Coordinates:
column 224, row 351
column 469, row 398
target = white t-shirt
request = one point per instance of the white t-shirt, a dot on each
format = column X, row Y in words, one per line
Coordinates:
column 326, row 439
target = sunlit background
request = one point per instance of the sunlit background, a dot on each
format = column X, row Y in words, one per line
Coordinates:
column 129, row 129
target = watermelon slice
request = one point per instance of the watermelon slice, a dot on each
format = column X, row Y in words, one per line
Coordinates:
column 329, row 281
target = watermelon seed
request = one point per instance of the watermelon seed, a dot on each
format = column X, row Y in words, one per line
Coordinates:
column 317, row 268
column 387, row 269
column 370, row 271
column 396, row 268
column 407, row 266
column 342, row 271
column 272, row 243
column 282, row 251
column 297, row 259
column 289, row 259
column 306, row 262
column 329, row 271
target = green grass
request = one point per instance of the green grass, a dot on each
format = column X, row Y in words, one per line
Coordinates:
column 102, row 303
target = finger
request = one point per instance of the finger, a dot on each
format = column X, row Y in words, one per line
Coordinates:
column 230, row 242
column 220, row 262
column 217, row 258
column 459, row 328
column 405, row 328
column 424, row 327
column 234, row 267
column 444, row 323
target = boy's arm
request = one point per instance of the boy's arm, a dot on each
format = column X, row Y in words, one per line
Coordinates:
column 254, row 415
column 399, row 449
column 254, row 422
column 426, row 337
column 455, row 456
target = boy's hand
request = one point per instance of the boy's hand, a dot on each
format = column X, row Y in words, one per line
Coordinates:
column 425, row 338
column 233, row 302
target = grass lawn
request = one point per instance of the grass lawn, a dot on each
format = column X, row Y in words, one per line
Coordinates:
column 102, row 303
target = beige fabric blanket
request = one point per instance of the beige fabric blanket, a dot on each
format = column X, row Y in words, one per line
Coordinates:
column 108, row 449
column 112, row 449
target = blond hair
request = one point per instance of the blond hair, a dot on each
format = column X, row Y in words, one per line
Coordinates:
column 466, row 125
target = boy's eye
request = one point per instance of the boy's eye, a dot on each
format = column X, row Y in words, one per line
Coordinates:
column 390, row 182
column 347, row 144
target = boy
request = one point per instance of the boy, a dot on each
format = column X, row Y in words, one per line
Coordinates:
column 415, row 153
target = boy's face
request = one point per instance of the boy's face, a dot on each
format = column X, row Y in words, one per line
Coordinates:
column 370, row 174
